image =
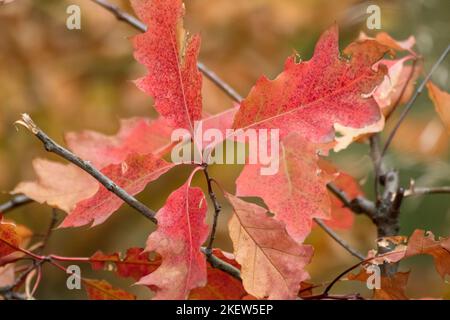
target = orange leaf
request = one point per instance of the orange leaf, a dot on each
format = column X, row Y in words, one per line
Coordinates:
column 391, row 288
column 9, row 238
column 102, row 290
column 441, row 100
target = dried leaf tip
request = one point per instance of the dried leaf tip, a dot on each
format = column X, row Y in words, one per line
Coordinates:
column 28, row 123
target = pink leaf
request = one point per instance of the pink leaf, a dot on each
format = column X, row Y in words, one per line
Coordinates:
column 170, row 56
column 320, row 95
column 180, row 234
column 297, row 193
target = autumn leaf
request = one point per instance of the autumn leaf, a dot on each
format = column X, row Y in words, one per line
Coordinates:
column 441, row 100
column 420, row 242
column 320, row 95
column 398, row 85
column 391, row 287
column 398, row 45
column 136, row 135
column 424, row 243
column 102, row 290
column 59, row 185
column 132, row 175
column 272, row 263
column 135, row 264
column 9, row 238
column 170, row 56
column 297, row 193
column 341, row 216
column 181, row 232
column 24, row 236
column 220, row 285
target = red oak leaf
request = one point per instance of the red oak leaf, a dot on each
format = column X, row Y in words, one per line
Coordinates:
column 220, row 285
column 136, row 263
column 180, row 234
column 441, row 100
column 320, row 95
column 9, row 238
column 132, row 175
column 170, row 56
column 297, row 193
column 102, row 290
column 136, row 135
column 272, row 263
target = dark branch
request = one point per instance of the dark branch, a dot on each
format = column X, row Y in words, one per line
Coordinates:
column 15, row 202
column 217, row 209
column 139, row 25
column 52, row 146
column 338, row 239
column 358, row 205
column 378, row 165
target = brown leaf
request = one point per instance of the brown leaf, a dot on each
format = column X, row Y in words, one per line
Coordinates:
column 272, row 262
column 392, row 288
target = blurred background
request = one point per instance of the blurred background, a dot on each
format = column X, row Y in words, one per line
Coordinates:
column 70, row 80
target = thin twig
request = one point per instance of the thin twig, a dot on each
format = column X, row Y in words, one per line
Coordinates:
column 217, row 209
column 52, row 146
column 51, row 226
column 15, row 202
column 413, row 99
column 139, row 25
column 338, row 239
column 418, row 191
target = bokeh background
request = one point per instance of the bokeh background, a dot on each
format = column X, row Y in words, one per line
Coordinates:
column 70, row 80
